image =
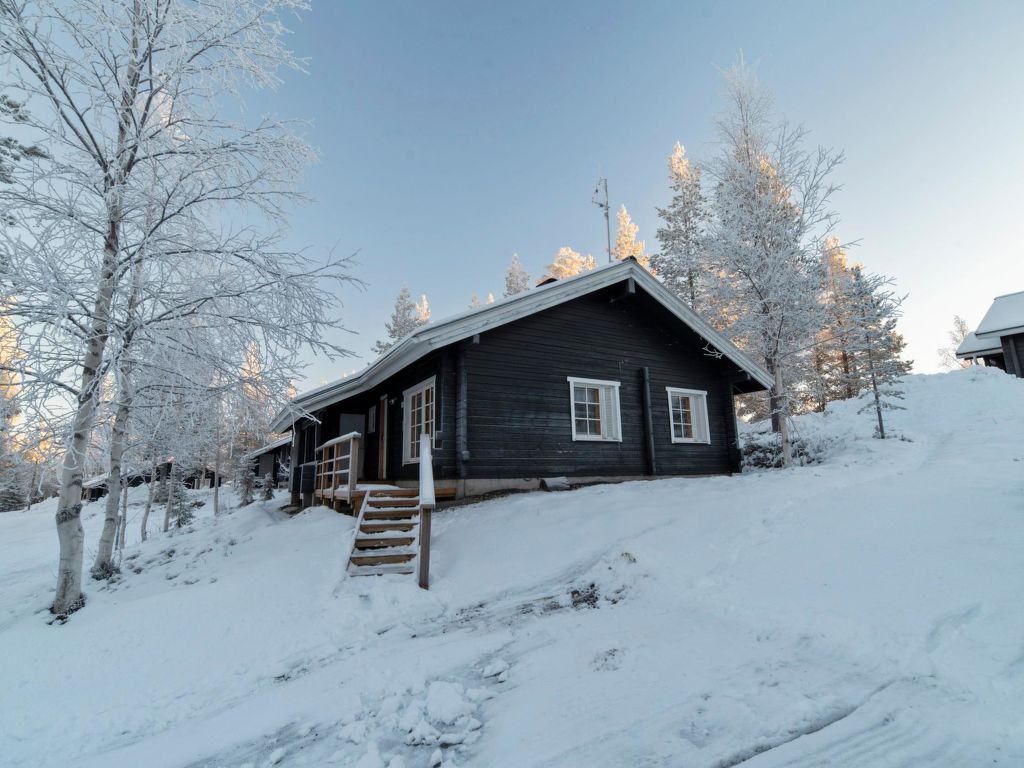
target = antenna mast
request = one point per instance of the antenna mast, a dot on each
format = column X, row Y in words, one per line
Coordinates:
column 602, row 186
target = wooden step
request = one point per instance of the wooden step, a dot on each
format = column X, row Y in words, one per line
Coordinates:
column 395, row 525
column 380, row 570
column 404, row 513
column 397, row 555
column 396, row 492
column 392, row 501
column 384, row 541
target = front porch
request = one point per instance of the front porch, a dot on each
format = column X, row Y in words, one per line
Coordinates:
column 331, row 479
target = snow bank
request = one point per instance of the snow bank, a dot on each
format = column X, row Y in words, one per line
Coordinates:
column 862, row 611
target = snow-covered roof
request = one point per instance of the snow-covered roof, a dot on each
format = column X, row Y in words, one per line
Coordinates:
column 1005, row 316
column 269, row 447
column 95, row 481
column 972, row 346
column 467, row 324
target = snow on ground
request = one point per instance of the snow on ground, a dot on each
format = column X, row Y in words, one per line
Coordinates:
column 860, row 612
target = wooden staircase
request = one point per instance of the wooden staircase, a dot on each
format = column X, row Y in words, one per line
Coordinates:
column 393, row 528
column 387, row 533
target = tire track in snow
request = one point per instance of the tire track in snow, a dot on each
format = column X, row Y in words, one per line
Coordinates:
column 903, row 725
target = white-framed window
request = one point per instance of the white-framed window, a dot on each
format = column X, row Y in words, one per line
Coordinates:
column 688, row 415
column 594, row 408
column 419, row 408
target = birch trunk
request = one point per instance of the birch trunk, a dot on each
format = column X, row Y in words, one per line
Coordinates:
column 149, row 500
column 124, row 516
column 70, row 535
column 105, row 553
column 216, row 477
column 787, row 449
column 170, row 501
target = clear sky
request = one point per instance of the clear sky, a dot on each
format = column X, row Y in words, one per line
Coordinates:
column 453, row 134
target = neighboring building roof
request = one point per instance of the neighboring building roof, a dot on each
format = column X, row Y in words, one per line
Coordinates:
column 1004, row 317
column 467, row 324
column 972, row 346
column 269, row 447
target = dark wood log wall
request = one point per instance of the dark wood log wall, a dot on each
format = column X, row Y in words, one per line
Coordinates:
column 503, row 406
column 519, row 422
column 1013, row 353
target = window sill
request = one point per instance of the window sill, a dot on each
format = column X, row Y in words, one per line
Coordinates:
column 689, row 441
column 584, row 439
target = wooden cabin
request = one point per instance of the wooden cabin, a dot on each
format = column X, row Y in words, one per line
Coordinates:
column 999, row 338
column 272, row 459
column 603, row 376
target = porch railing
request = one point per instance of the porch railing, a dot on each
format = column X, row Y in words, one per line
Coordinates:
column 427, row 502
column 337, row 465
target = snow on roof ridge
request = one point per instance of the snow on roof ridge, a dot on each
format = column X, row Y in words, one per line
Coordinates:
column 448, row 319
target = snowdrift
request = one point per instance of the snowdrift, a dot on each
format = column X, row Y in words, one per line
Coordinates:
column 859, row 612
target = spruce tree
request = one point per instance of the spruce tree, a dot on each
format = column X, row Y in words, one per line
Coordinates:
column 182, row 511
column 516, row 278
column 626, row 244
column 876, row 345
column 681, row 262
column 406, row 317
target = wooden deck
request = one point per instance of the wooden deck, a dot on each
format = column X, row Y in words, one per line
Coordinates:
column 339, row 497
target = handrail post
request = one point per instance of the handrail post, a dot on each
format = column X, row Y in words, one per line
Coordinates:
column 353, row 466
column 427, row 502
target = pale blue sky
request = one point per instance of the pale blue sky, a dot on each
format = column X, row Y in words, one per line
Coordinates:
column 454, row 134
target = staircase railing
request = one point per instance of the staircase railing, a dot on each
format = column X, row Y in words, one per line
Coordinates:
column 337, row 463
column 427, row 502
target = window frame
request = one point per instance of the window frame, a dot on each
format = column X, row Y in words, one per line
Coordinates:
column 697, row 396
column 615, row 414
column 407, row 396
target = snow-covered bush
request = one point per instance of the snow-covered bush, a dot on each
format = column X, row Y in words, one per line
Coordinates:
column 268, row 487
column 763, row 450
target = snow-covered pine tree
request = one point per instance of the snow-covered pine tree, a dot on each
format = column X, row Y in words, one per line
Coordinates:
column 246, row 483
column 406, row 317
column 681, row 262
column 626, row 244
column 12, row 487
column 948, row 360
column 180, row 511
column 517, row 280
column 13, row 151
column 268, row 487
column 568, row 263
column 830, row 361
column 422, row 310
column 875, row 344
column 771, row 215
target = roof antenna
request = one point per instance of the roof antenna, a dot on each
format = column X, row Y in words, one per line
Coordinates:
column 602, row 185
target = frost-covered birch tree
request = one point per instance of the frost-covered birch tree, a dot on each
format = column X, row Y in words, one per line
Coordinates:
column 681, row 263
column 128, row 101
column 517, row 279
column 771, row 204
